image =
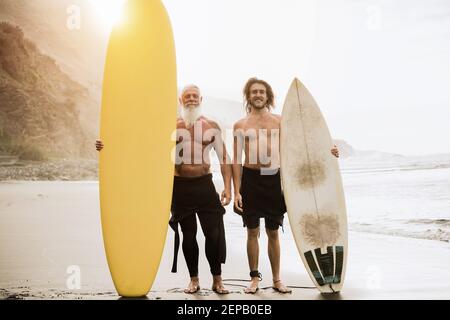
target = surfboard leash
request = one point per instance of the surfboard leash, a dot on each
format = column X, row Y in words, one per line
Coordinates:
column 264, row 288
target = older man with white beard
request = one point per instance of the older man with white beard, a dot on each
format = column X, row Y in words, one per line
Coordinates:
column 194, row 193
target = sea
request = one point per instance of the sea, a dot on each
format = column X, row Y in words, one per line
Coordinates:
column 394, row 195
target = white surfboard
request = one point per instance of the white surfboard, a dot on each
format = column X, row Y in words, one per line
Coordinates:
column 313, row 190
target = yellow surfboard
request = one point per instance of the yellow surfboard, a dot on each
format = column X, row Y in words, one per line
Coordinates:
column 138, row 117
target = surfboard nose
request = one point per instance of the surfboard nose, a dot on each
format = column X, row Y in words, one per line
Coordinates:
column 295, row 85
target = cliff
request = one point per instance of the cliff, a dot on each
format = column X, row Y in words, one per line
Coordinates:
column 40, row 105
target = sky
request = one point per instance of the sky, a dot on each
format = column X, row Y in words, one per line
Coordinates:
column 379, row 69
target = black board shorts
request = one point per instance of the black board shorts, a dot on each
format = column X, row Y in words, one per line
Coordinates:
column 262, row 197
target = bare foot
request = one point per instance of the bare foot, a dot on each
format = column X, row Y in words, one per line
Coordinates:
column 193, row 286
column 280, row 287
column 218, row 287
column 253, row 286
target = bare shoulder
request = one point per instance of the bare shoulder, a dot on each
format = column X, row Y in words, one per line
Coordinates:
column 275, row 119
column 211, row 122
column 240, row 124
column 276, row 116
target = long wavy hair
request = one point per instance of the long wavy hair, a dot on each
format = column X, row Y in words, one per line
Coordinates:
column 270, row 96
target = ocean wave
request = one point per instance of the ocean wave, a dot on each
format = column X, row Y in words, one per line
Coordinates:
column 438, row 234
column 440, row 222
column 389, row 166
column 358, row 170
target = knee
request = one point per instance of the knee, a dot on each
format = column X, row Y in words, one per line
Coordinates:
column 272, row 235
column 253, row 234
column 212, row 234
column 189, row 235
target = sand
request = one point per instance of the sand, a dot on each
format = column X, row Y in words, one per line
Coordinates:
column 47, row 228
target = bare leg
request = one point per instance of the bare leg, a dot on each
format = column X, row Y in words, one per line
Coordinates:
column 274, row 257
column 253, row 257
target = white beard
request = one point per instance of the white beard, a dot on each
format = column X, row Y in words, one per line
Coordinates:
column 190, row 115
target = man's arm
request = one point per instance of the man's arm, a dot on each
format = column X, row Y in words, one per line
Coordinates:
column 225, row 163
column 238, row 140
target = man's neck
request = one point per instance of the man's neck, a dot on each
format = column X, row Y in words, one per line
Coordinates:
column 258, row 112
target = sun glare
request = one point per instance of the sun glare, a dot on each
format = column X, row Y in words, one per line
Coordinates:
column 109, row 11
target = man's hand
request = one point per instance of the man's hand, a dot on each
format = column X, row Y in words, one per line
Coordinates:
column 335, row 151
column 238, row 202
column 225, row 198
column 99, row 145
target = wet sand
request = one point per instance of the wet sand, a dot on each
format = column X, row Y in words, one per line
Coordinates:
column 46, row 228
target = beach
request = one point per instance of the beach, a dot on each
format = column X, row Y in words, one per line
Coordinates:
column 357, row 58
column 51, row 230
